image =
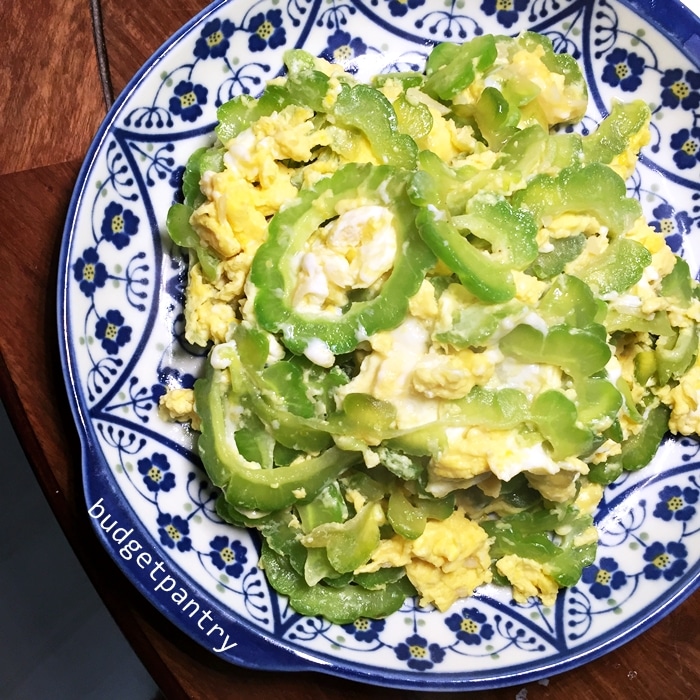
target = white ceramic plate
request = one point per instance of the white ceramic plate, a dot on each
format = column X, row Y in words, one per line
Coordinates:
column 121, row 323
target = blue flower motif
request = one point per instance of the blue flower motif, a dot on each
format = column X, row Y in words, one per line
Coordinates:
column 623, row 70
column 667, row 561
column 157, row 390
column 214, row 39
column 156, row 472
column 90, row 272
column 604, row 578
column 672, row 225
column 173, row 376
column 365, row 630
column 266, row 31
column 174, row 532
column 399, row 8
column 177, row 285
column 680, row 89
column 418, row 654
column 188, row 100
column 118, row 225
column 110, row 329
column 343, row 49
column 175, row 181
column 676, row 503
column 686, row 143
column 470, row 625
column 228, row 556
column 506, row 11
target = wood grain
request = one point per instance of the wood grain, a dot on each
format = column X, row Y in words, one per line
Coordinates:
column 50, row 106
column 133, row 36
column 50, row 96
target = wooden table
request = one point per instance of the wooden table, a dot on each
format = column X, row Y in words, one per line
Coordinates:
column 55, row 89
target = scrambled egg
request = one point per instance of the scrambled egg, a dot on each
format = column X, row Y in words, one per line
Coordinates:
column 178, row 405
column 528, row 579
column 353, row 252
column 447, row 562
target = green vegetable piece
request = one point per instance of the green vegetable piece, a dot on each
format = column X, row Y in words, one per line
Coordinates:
column 287, row 380
column 191, row 190
column 327, row 507
column 511, row 233
column 597, row 401
column 349, row 544
column 318, row 568
column 254, row 442
column 407, row 79
column 524, row 534
column 564, row 250
column 306, row 84
column 437, row 184
column 178, row 219
column 578, row 352
column 341, row 605
column 657, row 324
column 533, row 150
column 678, row 284
column 355, row 107
column 556, row 419
column 518, row 493
column 274, row 275
column 405, row 467
column 618, row 267
column 408, row 516
column 593, row 189
column 245, row 483
column 378, row 580
column 363, row 108
column 364, row 415
column 615, row 133
column 493, row 408
column 569, row 300
column 359, row 480
column 412, row 119
column 563, row 63
column 639, row 449
column 605, row 473
column 238, row 114
column 475, row 324
column 630, row 406
column 567, row 565
column 183, row 234
column 487, row 279
column 496, row 118
column 425, row 441
column 407, row 520
column 644, row 366
column 451, row 68
column 246, row 358
column 496, row 409
column 675, row 353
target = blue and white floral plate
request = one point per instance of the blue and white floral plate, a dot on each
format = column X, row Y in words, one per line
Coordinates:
column 121, row 324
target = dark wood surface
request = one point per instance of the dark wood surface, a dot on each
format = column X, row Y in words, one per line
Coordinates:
column 52, row 100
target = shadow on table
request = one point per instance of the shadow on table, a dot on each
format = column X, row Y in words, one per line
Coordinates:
column 57, row 639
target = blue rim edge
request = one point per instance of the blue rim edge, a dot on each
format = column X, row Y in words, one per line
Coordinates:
column 254, row 648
